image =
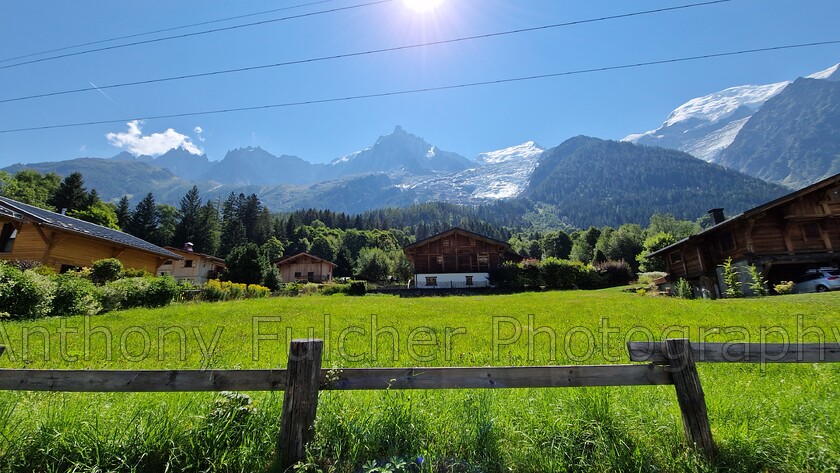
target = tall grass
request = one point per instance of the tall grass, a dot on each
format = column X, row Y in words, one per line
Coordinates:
column 771, row 418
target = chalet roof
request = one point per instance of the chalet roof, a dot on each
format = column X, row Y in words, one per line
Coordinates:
column 203, row 255
column 454, row 230
column 825, row 183
column 291, row 259
column 73, row 225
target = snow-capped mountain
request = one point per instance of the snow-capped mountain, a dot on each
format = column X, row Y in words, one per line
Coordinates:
column 396, row 154
column 501, row 174
column 705, row 126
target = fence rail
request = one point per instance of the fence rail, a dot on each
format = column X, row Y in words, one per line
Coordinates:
column 670, row 362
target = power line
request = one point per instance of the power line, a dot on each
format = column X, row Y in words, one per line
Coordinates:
column 197, row 33
column 165, row 30
column 429, row 89
column 364, row 53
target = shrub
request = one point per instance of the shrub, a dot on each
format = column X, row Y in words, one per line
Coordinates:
column 19, row 295
column 331, row 289
column 357, row 288
column 161, row 291
column 106, row 270
column 615, row 273
column 758, row 285
column 212, row 291
column 683, row 289
column 124, row 293
column 784, row 287
column 75, row 295
column 507, row 276
column 531, row 273
column 136, row 273
column 731, row 279
column 272, row 279
column 255, row 291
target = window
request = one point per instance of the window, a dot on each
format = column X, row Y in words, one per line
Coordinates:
column 676, row 257
column 447, row 242
column 473, row 242
column 834, row 194
column 431, row 280
column 167, row 262
column 297, row 274
column 7, row 238
column 726, row 242
column 469, row 280
column 811, row 231
column 439, row 259
column 484, row 258
column 188, row 263
column 310, row 274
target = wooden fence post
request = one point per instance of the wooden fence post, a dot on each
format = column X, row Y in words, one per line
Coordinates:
column 690, row 395
column 300, row 401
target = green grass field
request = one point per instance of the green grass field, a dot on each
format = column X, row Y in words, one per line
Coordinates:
column 764, row 418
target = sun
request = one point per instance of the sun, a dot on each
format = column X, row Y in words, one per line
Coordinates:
column 422, row 6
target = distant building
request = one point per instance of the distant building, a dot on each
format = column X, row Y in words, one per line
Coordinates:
column 197, row 268
column 62, row 242
column 784, row 238
column 304, row 267
column 457, row 258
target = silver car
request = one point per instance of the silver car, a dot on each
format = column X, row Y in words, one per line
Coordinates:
column 821, row 280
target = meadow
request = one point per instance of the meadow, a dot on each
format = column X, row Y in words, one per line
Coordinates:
column 764, row 417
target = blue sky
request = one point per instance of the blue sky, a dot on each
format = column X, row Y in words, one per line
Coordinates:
column 468, row 121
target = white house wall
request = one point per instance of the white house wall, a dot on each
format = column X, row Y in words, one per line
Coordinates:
column 453, row 280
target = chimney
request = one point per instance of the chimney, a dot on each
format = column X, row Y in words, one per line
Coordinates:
column 717, row 216
column 63, row 211
column 188, row 247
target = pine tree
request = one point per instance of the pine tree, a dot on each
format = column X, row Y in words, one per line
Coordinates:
column 123, row 213
column 188, row 225
column 145, row 219
column 207, row 234
column 71, row 194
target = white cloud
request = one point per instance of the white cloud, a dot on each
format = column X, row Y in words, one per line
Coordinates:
column 198, row 131
column 155, row 144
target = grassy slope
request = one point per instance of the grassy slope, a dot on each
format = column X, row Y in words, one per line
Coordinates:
column 776, row 418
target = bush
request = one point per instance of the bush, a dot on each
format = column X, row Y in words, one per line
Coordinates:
column 683, row 289
column 161, row 291
column 731, row 279
column 614, row 273
column 331, row 289
column 19, row 295
column 75, row 295
column 272, row 279
column 531, row 273
column 212, row 291
column 255, row 291
column 507, row 276
column 758, row 285
column 106, row 270
column 357, row 288
column 124, row 293
column 784, row 287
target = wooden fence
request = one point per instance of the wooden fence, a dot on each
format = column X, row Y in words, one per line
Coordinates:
column 671, row 362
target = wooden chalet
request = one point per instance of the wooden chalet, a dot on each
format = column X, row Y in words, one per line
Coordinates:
column 457, row 258
column 197, row 268
column 62, row 242
column 783, row 238
column 304, row 267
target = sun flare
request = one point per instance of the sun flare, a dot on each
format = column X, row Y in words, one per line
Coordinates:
column 422, row 6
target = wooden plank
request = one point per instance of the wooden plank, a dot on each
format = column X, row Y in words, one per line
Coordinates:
column 343, row 379
column 300, row 401
column 501, row 377
column 654, row 352
column 142, row 380
column 690, row 396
